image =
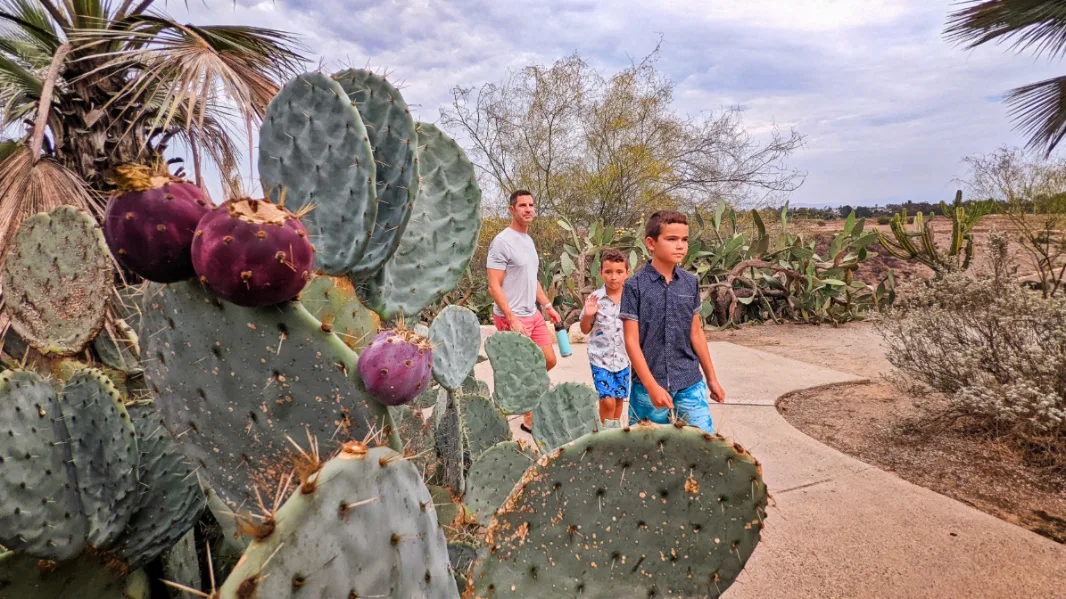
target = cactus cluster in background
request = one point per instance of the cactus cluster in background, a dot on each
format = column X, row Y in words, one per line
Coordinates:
column 250, row 367
column 956, row 256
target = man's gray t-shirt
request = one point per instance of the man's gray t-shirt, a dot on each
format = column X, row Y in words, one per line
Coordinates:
column 515, row 254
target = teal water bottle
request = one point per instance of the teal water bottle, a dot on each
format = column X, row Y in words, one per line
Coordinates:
column 564, row 340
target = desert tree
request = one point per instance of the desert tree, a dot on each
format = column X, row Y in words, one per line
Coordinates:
column 593, row 146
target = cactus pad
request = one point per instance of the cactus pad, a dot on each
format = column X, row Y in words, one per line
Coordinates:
column 23, row 577
column 519, row 372
column 451, row 445
column 234, row 382
column 169, row 502
column 643, row 512
column 392, row 135
column 365, row 530
column 313, row 147
column 103, row 447
column 181, row 565
column 41, row 514
column 119, row 347
column 483, row 424
column 419, row 444
column 56, row 274
column 456, row 337
column 494, row 475
column 567, row 411
column 332, row 300
column 441, row 235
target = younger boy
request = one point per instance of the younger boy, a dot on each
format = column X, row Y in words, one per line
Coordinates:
column 607, row 352
column 664, row 333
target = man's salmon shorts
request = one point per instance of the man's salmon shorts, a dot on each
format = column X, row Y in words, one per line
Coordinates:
column 536, row 328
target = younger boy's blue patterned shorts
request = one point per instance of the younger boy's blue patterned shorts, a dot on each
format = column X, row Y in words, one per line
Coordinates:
column 611, row 384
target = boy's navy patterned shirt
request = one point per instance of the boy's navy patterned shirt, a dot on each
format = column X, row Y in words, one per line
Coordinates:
column 664, row 315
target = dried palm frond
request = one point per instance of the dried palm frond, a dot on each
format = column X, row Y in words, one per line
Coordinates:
column 27, row 188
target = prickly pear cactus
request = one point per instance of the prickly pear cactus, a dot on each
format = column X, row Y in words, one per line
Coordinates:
column 456, row 337
column 567, row 411
column 392, row 135
column 181, row 565
column 314, row 149
column 483, row 424
column 451, row 445
column 119, row 347
column 366, row 528
column 441, row 235
column 417, row 436
column 493, row 475
column 519, row 374
column 665, row 512
column 24, row 577
column 233, row 383
column 56, row 274
column 169, row 499
column 103, row 445
column 41, row 513
column 333, row 302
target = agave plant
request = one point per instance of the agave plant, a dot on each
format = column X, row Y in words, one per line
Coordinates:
column 125, row 81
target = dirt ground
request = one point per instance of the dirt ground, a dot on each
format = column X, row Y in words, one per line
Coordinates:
column 880, row 426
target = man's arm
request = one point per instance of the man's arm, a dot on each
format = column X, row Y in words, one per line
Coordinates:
column 542, row 298
column 699, row 345
column 631, row 333
column 496, row 291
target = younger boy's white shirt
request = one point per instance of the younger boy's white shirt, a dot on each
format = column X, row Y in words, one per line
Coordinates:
column 607, row 347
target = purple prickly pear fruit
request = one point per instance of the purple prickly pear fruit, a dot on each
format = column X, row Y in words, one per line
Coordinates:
column 252, row 253
column 397, row 366
column 149, row 225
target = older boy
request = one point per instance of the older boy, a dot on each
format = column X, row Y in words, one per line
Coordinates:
column 607, row 351
column 664, row 334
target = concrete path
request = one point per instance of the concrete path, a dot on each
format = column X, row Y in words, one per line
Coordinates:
column 842, row 528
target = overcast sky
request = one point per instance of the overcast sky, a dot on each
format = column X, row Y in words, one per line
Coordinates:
column 887, row 106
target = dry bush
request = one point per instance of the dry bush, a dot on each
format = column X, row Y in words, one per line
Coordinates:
column 996, row 350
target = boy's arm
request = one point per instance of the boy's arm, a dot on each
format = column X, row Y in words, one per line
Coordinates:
column 658, row 396
column 699, row 345
column 587, row 317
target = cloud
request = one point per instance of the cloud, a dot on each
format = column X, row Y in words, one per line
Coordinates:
column 887, row 106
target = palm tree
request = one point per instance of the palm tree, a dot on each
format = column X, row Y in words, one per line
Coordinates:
column 1039, row 109
column 89, row 84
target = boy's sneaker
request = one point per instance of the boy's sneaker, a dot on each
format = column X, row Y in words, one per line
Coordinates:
column 608, row 424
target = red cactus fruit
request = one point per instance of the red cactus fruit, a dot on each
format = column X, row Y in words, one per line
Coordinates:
column 149, row 225
column 397, row 366
column 252, row 253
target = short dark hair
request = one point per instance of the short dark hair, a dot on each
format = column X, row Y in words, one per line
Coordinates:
column 612, row 256
column 517, row 194
column 654, row 226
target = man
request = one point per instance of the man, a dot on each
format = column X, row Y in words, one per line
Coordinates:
column 512, row 266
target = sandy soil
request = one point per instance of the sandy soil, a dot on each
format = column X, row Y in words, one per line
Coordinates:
column 878, row 425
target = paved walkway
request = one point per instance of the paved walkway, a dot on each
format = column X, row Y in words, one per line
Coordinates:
column 842, row 528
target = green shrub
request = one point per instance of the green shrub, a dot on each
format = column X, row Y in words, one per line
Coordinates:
column 884, row 220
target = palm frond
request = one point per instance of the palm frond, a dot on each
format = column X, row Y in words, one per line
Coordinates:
column 31, row 22
column 245, row 63
column 27, row 188
column 1024, row 23
column 19, row 91
column 1039, row 110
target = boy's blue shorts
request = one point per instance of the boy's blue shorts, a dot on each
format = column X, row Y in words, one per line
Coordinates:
column 611, row 384
column 690, row 404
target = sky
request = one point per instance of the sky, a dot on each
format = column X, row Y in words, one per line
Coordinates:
column 888, row 107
